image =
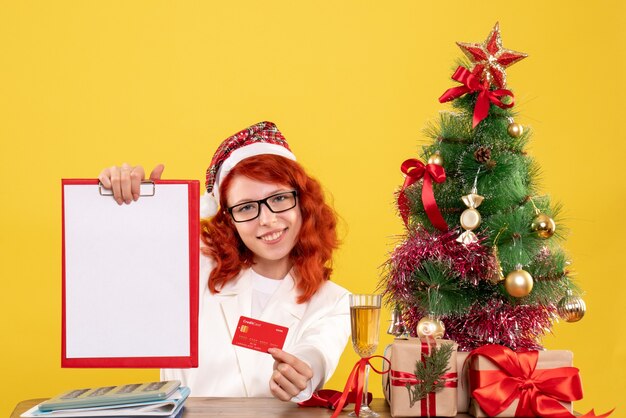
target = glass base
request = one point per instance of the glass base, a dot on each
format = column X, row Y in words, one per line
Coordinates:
column 365, row 412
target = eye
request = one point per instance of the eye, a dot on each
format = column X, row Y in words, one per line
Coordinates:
column 244, row 208
column 280, row 198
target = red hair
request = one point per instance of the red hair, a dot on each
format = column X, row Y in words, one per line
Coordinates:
column 312, row 254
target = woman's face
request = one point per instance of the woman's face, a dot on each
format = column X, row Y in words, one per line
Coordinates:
column 270, row 236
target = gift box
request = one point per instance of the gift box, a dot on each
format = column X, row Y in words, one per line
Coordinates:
column 400, row 382
column 463, row 389
column 385, row 375
column 504, row 383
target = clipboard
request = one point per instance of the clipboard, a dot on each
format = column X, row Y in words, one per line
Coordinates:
column 130, row 276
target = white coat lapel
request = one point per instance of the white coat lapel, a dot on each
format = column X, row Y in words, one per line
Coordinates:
column 236, row 301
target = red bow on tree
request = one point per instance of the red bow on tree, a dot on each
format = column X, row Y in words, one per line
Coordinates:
column 472, row 84
column 538, row 391
column 415, row 170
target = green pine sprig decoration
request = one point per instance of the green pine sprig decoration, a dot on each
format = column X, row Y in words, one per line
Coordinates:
column 429, row 373
column 439, row 289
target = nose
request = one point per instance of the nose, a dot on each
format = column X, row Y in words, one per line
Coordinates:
column 266, row 216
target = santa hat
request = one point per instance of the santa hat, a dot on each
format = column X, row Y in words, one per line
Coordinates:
column 261, row 138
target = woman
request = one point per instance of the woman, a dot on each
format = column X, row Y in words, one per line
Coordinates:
column 266, row 254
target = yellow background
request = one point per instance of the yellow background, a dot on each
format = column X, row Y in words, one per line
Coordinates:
column 86, row 84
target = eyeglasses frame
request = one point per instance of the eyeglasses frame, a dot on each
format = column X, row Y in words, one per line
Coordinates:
column 294, row 193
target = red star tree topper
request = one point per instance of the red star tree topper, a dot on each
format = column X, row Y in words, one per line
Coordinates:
column 490, row 58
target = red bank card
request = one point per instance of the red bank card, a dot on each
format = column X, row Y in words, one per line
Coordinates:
column 259, row 335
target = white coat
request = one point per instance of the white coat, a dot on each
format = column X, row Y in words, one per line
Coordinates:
column 318, row 331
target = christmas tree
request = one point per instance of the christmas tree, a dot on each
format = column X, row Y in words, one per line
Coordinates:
column 482, row 255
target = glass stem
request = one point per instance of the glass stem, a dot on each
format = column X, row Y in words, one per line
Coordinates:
column 364, row 398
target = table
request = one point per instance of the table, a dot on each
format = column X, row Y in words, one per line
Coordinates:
column 244, row 408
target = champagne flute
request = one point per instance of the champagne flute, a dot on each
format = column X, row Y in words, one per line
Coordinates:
column 365, row 318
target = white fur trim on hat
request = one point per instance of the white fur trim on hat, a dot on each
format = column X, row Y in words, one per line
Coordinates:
column 208, row 205
column 240, row 154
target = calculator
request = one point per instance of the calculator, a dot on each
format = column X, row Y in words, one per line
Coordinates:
column 111, row 395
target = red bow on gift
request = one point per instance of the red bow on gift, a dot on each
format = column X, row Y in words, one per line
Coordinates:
column 538, row 391
column 415, row 170
column 472, row 84
column 329, row 398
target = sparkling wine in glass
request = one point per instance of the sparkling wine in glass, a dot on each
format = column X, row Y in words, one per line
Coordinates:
column 365, row 320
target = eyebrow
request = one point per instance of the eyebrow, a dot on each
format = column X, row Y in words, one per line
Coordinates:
column 248, row 200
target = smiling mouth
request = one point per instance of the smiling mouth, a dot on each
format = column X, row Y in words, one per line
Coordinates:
column 273, row 236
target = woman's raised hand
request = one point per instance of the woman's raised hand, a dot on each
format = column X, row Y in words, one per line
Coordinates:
column 125, row 181
column 291, row 375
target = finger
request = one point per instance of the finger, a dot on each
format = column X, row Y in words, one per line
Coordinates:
column 292, row 376
column 278, row 392
column 125, row 183
column 105, row 178
column 285, row 384
column 280, row 355
column 115, row 184
column 136, row 176
column 157, row 172
column 284, row 357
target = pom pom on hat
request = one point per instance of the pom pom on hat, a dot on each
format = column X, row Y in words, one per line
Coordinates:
column 261, row 138
column 208, row 205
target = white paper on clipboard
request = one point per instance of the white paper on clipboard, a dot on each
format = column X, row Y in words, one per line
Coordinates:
column 130, row 275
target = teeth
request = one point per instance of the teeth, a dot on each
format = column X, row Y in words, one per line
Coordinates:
column 272, row 237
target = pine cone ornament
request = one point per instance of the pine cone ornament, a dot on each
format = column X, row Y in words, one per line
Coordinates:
column 482, row 155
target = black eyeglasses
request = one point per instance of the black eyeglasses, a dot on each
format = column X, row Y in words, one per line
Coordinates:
column 277, row 203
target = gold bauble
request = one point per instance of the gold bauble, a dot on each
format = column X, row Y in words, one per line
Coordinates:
column 518, row 283
column 436, row 158
column 571, row 308
column 515, row 130
column 470, row 219
column 543, row 225
column 430, row 326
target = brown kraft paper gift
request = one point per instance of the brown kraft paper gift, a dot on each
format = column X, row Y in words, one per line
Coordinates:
column 404, row 355
column 385, row 376
column 463, row 389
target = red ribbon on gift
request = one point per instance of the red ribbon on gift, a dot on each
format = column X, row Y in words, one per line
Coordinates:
column 538, row 391
column 472, row 84
column 399, row 378
column 429, row 403
column 355, row 383
column 414, row 171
